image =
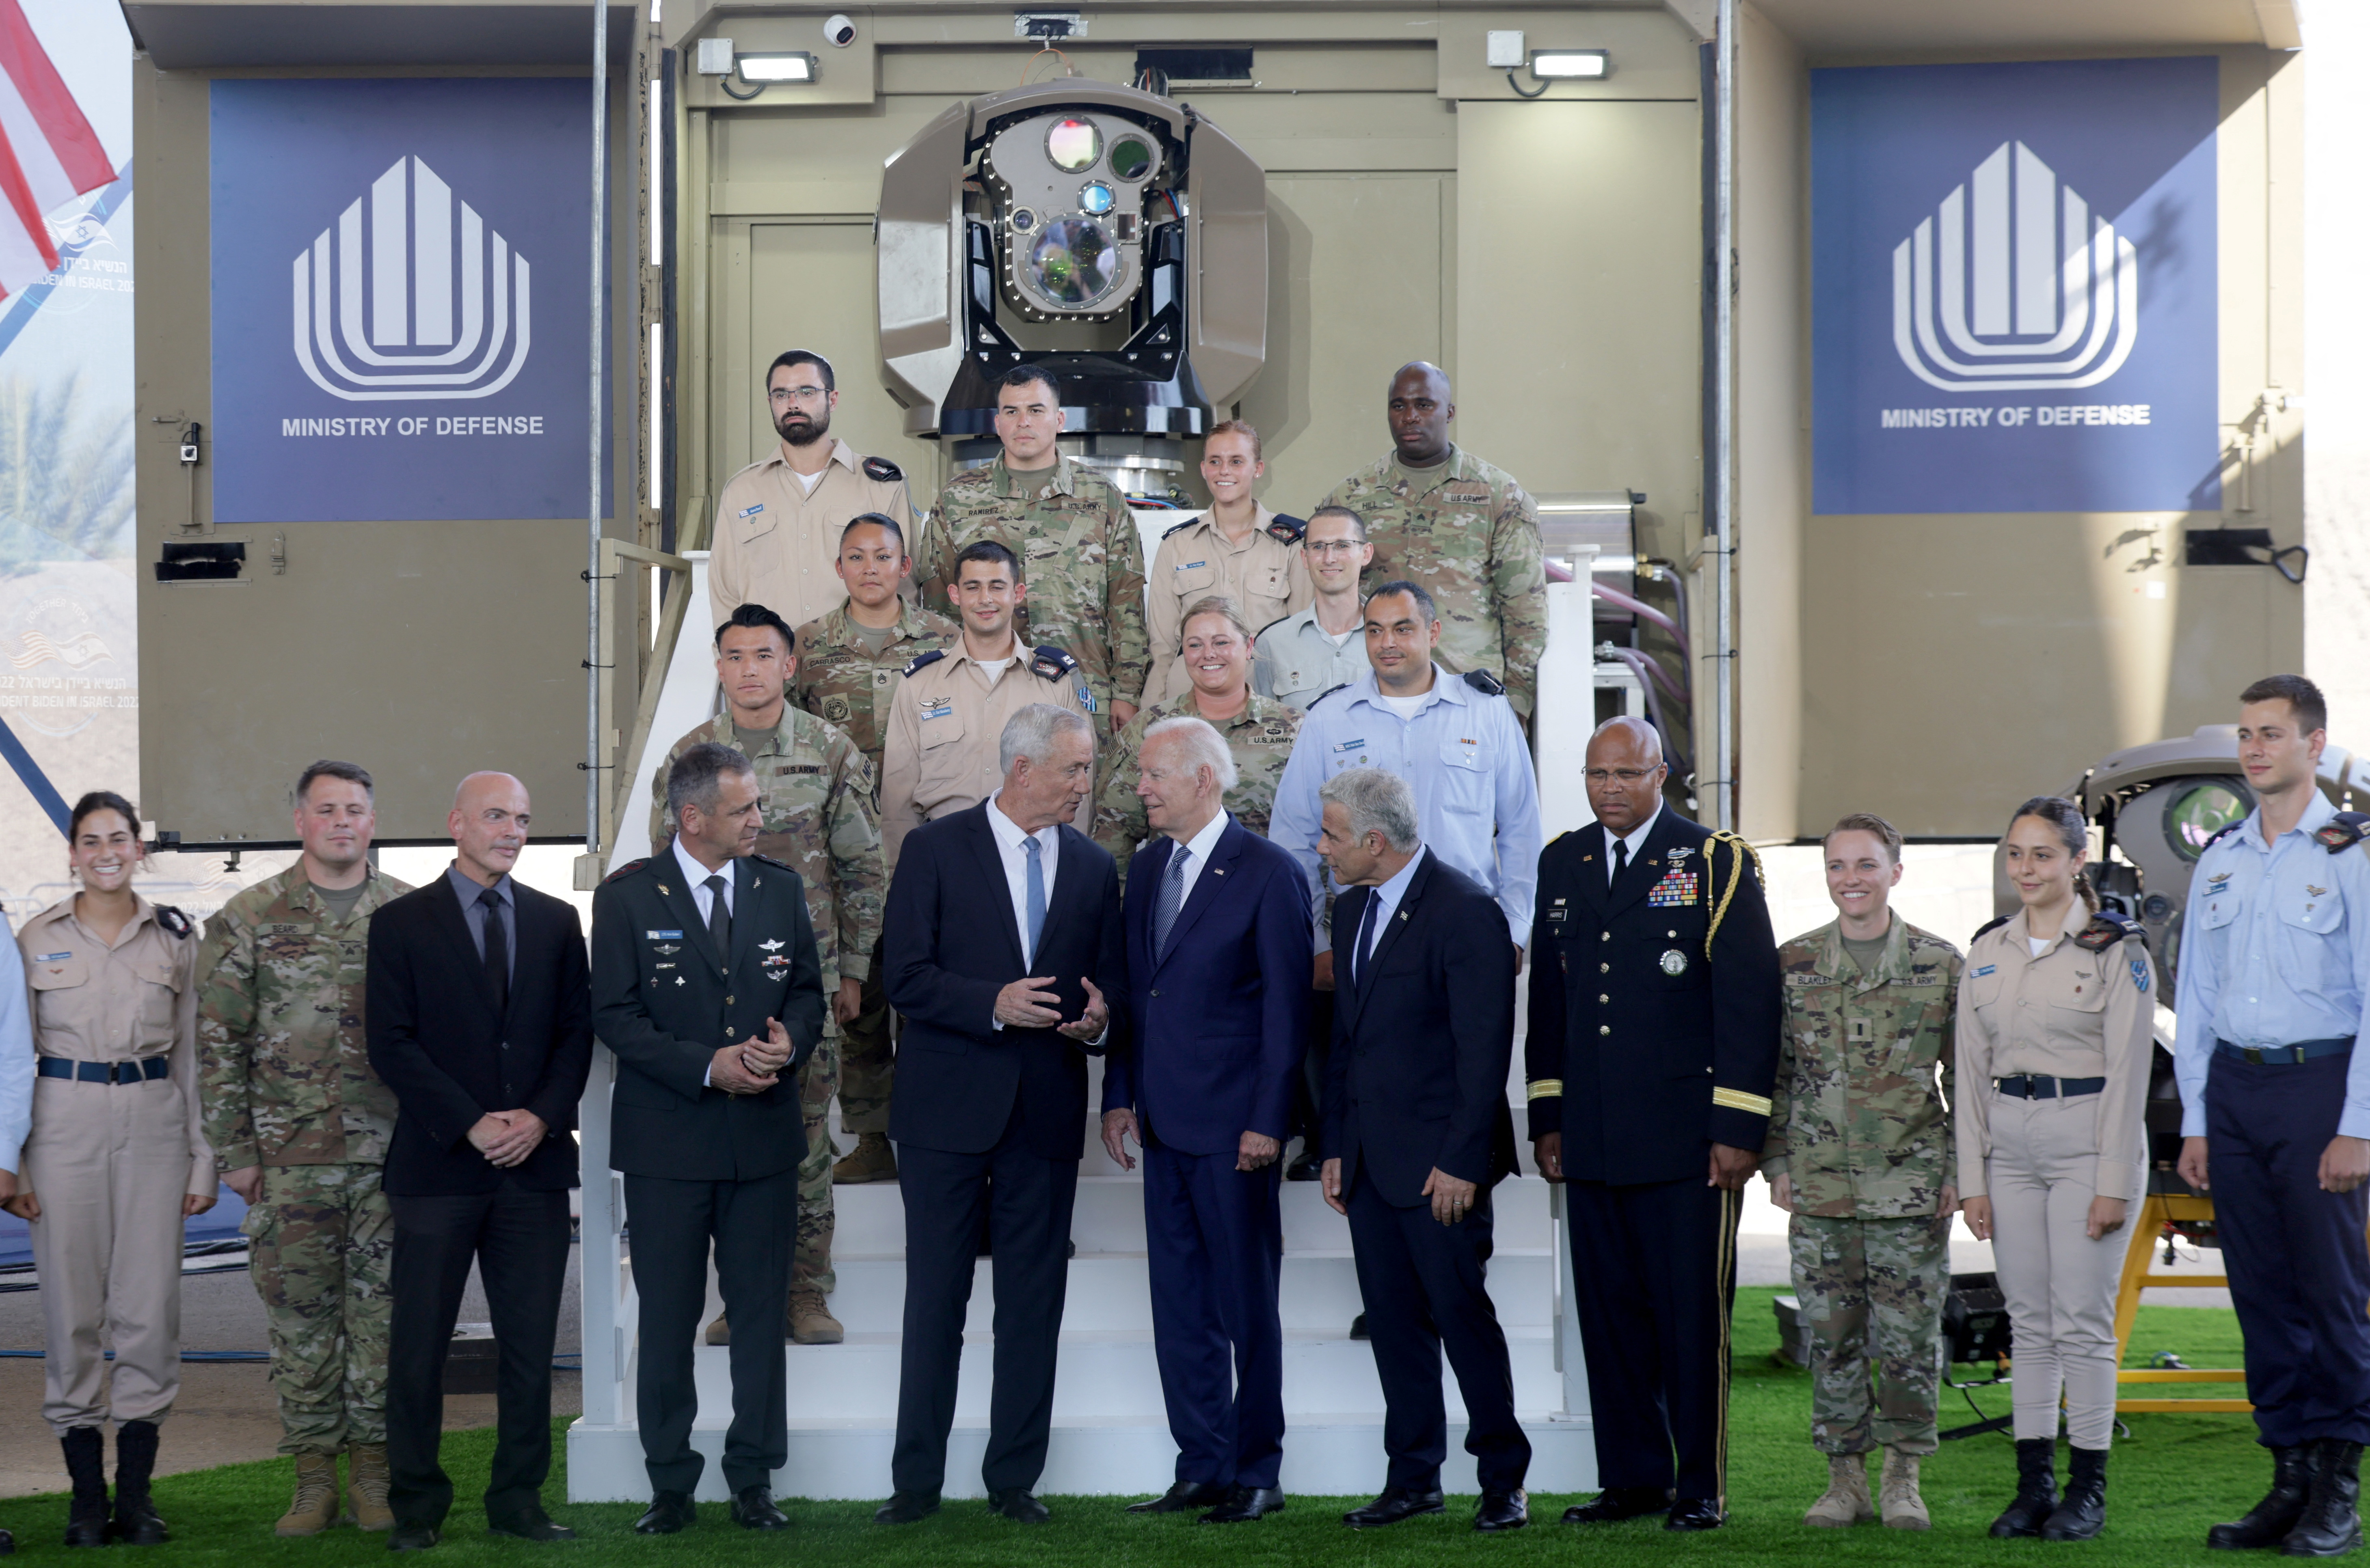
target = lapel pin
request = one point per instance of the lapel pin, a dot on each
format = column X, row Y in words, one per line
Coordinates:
column 665, row 889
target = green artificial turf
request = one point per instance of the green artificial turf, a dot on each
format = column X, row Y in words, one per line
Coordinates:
column 2172, row 1477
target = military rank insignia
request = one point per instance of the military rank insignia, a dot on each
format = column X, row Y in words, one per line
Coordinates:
column 1675, row 890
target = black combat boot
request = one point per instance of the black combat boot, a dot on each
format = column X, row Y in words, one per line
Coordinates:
column 87, row 1464
column 136, row 1520
column 2269, row 1521
column 2083, row 1514
column 2036, row 1489
column 2331, row 1525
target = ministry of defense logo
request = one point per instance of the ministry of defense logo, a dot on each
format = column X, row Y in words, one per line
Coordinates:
column 2029, row 292
column 381, row 291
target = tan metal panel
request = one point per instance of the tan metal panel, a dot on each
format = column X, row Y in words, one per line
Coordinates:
column 1653, row 55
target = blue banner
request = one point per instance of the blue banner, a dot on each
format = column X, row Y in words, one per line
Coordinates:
column 400, row 299
column 2013, row 287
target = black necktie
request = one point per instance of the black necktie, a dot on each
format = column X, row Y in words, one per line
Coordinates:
column 719, row 921
column 498, row 950
column 1620, row 860
column 1359, row 961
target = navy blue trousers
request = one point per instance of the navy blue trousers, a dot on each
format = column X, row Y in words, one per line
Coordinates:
column 1214, row 1239
column 2299, row 1269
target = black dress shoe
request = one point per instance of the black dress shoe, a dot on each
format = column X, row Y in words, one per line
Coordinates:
column 752, row 1509
column 1615, row 1503
column 1018, row 1505
column 412, row 1538
column 905, row 1508
column 530, row 1524
column 1502, row 1511
column 1696, row 1513
column 1307, row 1167
column 1181, row 1498
column 1245, row 1504
column 1397, row 1503
column 8, row 1543
column 668, row 1512
column 1357, row 1326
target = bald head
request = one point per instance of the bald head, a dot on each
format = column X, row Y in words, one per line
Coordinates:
column 1625, row 772
column 489, row 824
column 1419, row 411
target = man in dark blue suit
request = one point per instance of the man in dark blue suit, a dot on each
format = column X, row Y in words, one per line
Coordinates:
column 1417, row 1133
column 1218, row 957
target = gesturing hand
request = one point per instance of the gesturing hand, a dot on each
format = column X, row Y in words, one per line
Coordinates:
column 1093, row 1021
column 1028, row 1004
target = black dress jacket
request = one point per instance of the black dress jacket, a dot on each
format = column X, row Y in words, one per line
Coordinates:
column 436, row 1039
column 664, row 1001
column 952, row 943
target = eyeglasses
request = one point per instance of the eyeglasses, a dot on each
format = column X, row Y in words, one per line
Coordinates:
column 782, row 394
column 1331, row 547
column 1624, row 776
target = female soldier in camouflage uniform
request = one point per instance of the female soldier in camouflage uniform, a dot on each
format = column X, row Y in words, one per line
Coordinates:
column 1859, row 1153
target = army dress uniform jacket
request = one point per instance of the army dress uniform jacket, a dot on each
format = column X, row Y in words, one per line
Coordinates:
column 1470, row 536
column 665, row 1001
column 1079, row 554
column 946, row 725
column 842, row 682
column 1265, row 576
column 1855, row 1119
column 1653, row 1026
column 1259, row 738
column 286, row 1076
column 774, row 542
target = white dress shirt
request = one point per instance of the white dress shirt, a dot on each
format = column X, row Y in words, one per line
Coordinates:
column 1197, row 850
column 1635, row 838
column 1388, row 895
column 698, row 875
column 1009, row 841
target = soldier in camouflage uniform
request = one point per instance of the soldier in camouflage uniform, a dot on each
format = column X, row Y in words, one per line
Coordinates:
column 1439, row 516
column 1859, row 1151
column 846, row 669
column 817, row 793
column 300, row 1123
column 1258, row 730
column 1076, row 539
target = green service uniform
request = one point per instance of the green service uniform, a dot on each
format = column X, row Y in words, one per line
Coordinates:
column 1260, row 739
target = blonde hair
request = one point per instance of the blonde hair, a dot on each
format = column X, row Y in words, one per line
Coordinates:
column 1216, row 604
column 1236, row 428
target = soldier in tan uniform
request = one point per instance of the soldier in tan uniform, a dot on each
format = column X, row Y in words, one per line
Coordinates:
column 778, row 520
column 117, row 1160
column 815, row 793
column 947, row 717
column 1074, row 536
column 848, row 666
column 1439, row 516
column 1258, row 731
column 1238, row 550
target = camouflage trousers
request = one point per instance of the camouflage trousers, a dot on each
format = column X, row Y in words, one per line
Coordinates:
column 1872, row 1290
column 320, row 1246
column 818, row 1082
column 868, row 1059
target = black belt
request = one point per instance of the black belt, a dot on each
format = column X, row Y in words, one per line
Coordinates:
column 146, row 1069
column 2283, row 1056
column 2035, row 1086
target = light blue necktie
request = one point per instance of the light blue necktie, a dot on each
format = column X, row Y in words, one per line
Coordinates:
column 1172, row 893
column 1036, row 892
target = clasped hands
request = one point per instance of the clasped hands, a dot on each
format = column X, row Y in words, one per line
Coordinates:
column 1034, row 1004
column 1253, row 1151
column 754, row 1066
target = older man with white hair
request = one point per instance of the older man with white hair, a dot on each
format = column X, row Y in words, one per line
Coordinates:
column 1218, row 954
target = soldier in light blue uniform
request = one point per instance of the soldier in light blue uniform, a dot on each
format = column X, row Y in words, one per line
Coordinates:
column 2275, row 1112
column 1454, row 739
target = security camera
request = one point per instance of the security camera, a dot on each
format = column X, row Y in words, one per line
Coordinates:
column 840, row 29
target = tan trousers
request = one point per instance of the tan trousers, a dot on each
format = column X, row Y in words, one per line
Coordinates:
column 2060, row 1285
column 109, row 1162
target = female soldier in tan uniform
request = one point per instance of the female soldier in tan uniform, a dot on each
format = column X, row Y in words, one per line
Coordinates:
column 115, row 1161
column 2055, row 1025
column 1237, row 549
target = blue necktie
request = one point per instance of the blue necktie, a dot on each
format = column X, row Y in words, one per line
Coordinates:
column 1172, row 893
column 1359, row 958
column 1036, row 892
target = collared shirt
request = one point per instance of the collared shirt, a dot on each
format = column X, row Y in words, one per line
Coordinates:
column 945, row 728
column 470, row 892
column 775, row 540
column 1009, row 841
column 1264, row 575
column 1387, row 894
column 1295, row 660
column 2274, row 949
column 697, row 876
column 843, row 679
column 1635, row 839
column 1465, row 758
column 1197, row 850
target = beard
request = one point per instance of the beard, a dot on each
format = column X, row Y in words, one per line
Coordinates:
column 804, row 435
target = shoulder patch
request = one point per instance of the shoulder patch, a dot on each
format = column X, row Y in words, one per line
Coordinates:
column 881, row 470
column 1170, row 533
column 922, row 660
column 2341, row 832
column 173, row 920
column 626, row 870
column 1050, row 662
column 1327, row 692
column 1990, row 926
column 1287, row 530
column 2106, row 929
column 1484, row 683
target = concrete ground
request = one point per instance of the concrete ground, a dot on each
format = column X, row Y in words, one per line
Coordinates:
column 225, row 1412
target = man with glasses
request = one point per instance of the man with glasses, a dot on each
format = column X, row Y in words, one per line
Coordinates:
column 1305, row 655
column 778, row 522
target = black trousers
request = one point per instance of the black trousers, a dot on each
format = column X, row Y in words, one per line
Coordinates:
column 1653, row 1270
column 1425, row 1285
column 752, row 1225
column 2299, row 1271
column 519, row 1242
column 1023, row 1200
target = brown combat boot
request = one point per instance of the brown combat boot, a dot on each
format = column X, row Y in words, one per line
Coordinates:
column 871, row 1160
column 810, row 1322
column 366, row 1481
column 1897, row 1493
column 1845, row 1502
column 314, row 1507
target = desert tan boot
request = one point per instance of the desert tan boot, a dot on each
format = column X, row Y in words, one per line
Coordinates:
column 871, row 1160
column 314, row 1507
column 1897, row 1493
column 810, row 1322
column 366, row 1481
column 1845, row 1502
